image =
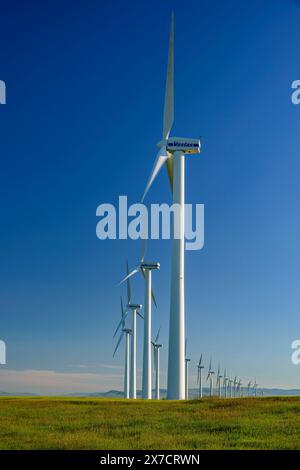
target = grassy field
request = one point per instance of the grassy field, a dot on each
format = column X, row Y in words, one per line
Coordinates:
column 76, row 423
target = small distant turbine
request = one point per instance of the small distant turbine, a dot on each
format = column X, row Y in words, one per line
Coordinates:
column 240, row 388
column 156, row 353
column 255, row 388
column 210, row 377
column 135, row 310
column 187, row 360
column 225, row 383
column 230, row 387
column 235, row 382
column 219, row 377
column 146, row 270
column 199, row 376
column 127, row 333
column 249, row 388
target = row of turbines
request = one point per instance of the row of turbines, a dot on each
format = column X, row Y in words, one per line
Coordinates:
column 171, row 155
column 226, row 386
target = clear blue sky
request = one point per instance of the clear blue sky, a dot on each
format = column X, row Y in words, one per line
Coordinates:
column 85, row 88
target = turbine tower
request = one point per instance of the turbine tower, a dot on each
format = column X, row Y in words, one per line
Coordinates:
column 210, row 377
column 156, row 353
column 255, row 387
column 199, row 376
column 186, row 372
column 225, row 383
column 146, row 270
column 230, row 387
column 219, row 377
column 235, row 382
column 135, row 310
column 127, row 333
column 172, row 151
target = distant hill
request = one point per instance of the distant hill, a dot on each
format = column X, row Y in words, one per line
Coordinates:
column 193, row 393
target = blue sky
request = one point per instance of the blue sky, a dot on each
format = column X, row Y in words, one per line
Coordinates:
column 85, row 89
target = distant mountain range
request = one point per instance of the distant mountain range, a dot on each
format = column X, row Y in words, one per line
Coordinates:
column 193, row 393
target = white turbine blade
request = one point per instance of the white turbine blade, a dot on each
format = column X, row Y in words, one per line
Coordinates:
column 185, row 349
column 170, row 165
column 128, row 284
column 118, row 343
column 120, row 323
column 157, row 336
column 198, row 376
column 200, row 360
column 169, row 94
column 132, row 273
column 140, row 315
column 122, row 313
column 208, row 375
column 210, row 364
column 152, row 293
column 161, row 158
column 154, row 359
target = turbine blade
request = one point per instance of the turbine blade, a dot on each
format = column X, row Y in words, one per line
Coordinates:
column 140, row 315
column 128, row 284
column 170, row 166
column 157, row 336
column 120, row 323
column 154, row 359
column 169, row 93
column 200, row 360
column 118, row 343
column 122, row 313
column 134, row 271
column 185, row 348
column 143, row 249
column 161, row 158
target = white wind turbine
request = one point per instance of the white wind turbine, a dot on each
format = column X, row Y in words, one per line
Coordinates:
column 187, row 360
column 210, row 377
column 199, row 376
column 127, row 333
column 230, row 387
column 172, row 151
column 255, row 387
column 235, row 382
column 156, row 353
column 219, row 377
column 240, row 388
column 146, row 270
column 135, row 310
column 225, row 383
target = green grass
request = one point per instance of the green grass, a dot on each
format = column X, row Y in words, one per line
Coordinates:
column 84, row 423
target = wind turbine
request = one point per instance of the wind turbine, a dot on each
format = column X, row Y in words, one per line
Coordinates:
column 135, row 310
column 156, row 348
column 210, row 377
column 127, row 333
column 240, row 388
column 225, row 383
column 187, row 360
column 248, row 387
column 255, row 387
column 230, row 387
column 235, row 382
column 172, row 151
column 219, row 377
column 146, row 271
column 199, row 376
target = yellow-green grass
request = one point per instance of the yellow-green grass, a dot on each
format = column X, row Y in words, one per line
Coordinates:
column 85, row 423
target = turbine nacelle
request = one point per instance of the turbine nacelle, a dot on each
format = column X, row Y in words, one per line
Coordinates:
column 181, row 144
column 150, row 266
column 134, row 306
